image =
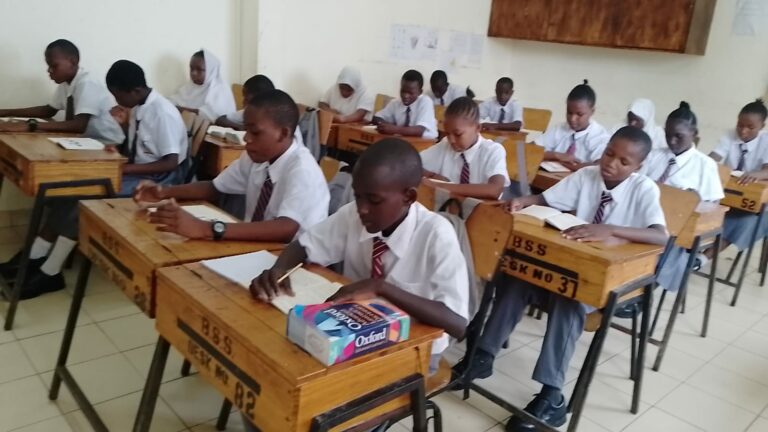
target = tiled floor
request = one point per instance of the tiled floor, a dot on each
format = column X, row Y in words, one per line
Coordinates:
column 715, row 384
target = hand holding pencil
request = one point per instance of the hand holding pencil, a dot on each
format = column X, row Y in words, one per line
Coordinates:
column 272, row 283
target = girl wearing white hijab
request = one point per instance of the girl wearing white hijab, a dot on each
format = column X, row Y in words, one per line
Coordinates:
column 641, row 114
column 348, row 98
column 207, row 94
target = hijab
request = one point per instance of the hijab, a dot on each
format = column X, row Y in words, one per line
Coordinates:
column 213, row 98
column 358, row 100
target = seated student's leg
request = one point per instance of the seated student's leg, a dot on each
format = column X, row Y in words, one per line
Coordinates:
column 565, row 324
column 671, row 274
column 512, row 296
column 62, row 224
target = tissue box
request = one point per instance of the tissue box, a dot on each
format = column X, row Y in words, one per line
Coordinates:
column 333, row 333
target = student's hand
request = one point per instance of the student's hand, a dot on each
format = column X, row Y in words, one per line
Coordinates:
column 387, row 129
column 264, row 287
column 749, row 177
column 429, row 180
column 365, row 289
column 13, row 127
column 172, row 218
column 574, row 165
column 513, row 205
column 120, row 114
column 589, row 233
column 488, row 126
column 149, row 192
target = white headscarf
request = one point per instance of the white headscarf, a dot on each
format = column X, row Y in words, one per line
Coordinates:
column 646, row 110
column 359, row 99
column 213, row 98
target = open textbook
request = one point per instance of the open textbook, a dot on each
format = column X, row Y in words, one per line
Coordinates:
column 309, row 288
column 78, row 143
column 541, row 214
column 552, row 166
column 199, row 211
column 228, row 134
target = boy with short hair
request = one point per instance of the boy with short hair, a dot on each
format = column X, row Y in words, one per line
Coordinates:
column 501, row 112
column 85, row 102
column 411, row 115
column 443, row 93
column 284, row 188
column 620, row 203
column 253, row 86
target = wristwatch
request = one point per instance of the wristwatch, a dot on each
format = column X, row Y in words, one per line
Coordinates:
column 218, row 228
column 32, row 125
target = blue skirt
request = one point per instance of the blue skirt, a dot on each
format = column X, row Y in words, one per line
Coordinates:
column 671, row 274
column 739, row 226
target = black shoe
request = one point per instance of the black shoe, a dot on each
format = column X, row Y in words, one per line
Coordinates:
column 482, row 366
column 10, row 268
column 543, row 409
column 40, row 283
column 696, row 264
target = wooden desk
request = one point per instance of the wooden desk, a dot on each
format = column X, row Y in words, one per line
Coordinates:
column 29, row 160
column 217, row 154
column 545, row 179
column 706, row 218
column 749, row 198
column 356, row 139
column 505, row 135
column 117, row 237
column 239, row 346
column 586, row 272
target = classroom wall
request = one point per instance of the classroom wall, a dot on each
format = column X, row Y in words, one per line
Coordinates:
column 305, row 50
column 159, row 35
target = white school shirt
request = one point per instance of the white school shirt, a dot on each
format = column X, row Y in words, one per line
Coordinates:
column 422, row 114
column 299, row 189
column 90, row 97
column 692, row 170
column 360, row 100
column 757, row 151
column 452, row 93
column 486, row 159
column 590, row 143
column 424, row 257
column 161, row 130
column 490, row 110
column 635, row 201
column 237, row 117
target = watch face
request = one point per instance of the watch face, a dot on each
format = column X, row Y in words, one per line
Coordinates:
column 218, row 227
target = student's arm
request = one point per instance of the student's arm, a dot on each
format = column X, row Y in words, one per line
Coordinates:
column 390, row 129
column 150, row 192
column 193, row 110
column 172, row 218
column 355, row 117
column 487, row 191
column 513, row 126
column 427, row 311
column 516, row 204
column 563, row 158
column 43, row 111
column 265, row 287
column 715, row 156
column 433, row 175
column 223, row 121
column 754, row 176
column 325, row 106
column 165, row 164
column 655, row 234
column 76, row 125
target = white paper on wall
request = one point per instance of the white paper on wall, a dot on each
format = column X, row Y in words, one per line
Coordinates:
column 750, row 18
column 449, row 49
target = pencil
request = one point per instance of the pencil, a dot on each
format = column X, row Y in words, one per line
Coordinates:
column 289, row 272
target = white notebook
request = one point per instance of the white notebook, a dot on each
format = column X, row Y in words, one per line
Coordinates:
column 552, row 166
column 78, row 143
column 737, row 174
column 236, row 137
column 308, row 287
column 199, row 211
column 219, row 131
column 554, row 217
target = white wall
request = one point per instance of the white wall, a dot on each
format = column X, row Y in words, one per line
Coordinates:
column 159, row 35
column 303, row 44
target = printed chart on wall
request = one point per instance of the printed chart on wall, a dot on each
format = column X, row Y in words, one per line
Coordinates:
column 750, row 18
column 449, row 50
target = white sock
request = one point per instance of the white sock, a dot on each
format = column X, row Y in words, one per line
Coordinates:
column 40, row 248
column 703, row 260
column 58, row 255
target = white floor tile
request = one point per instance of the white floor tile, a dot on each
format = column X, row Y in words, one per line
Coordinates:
column 141, row 359
column 615, row 373
column 192, row 399
column 24, row 402
column 519, row 364
column 119, row 414
column 108, row 305
column 57, row 424
column 129, row 332
column 15, row 363
column 759, row 425
column 235, row 424
column 458, row 416
column 658, row 420
column 704, row 411
column 754, row 342
column 89, row 343
column 608, row 407
column 744, row 363
column 732, row 387
column 45, row 314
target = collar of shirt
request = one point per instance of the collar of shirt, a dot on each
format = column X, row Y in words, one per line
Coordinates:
column 469, row 153
column 580, row 134
column 400, row 240
column 79, row 76
column 682, row 158
column 618, row 193
column 278, row 167
column 751, row 144
column 141, row 109
column 507, row 107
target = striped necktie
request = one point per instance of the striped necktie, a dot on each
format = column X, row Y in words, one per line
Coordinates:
column 742, row 157
column 501, row 116
column 135, row 146
column 671, row 163
column 264, row 196
column 377, row 268
column 407, row 116
column 605, row 198
column 464, row 179
column 69, row 112
column 572, row 148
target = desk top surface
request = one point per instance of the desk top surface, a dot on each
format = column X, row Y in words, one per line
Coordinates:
column 38, row 148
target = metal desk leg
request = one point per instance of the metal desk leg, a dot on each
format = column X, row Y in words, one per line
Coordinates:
column 642, row 346
column 152, row 387
column 748, row 256
column 711, row 285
